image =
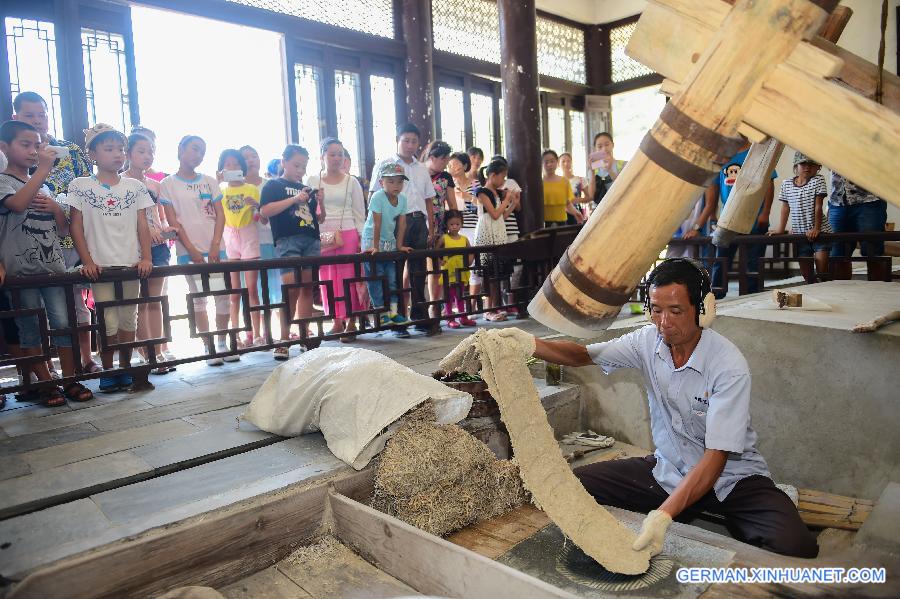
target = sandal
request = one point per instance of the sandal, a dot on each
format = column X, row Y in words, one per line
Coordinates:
column 78, row 392
column 161, row 369
column 51, row 397
column 92, row 367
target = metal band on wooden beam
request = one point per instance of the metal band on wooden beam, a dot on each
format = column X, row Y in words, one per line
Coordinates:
column 826, row 5
column 565, row 309
column 675, row 164
column 719, row 145
column 588, row 287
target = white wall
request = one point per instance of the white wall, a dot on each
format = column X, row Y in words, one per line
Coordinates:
column 606, row 11
column 583, row 11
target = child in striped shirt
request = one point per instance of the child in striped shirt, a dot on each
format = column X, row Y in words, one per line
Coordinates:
column 802, row 198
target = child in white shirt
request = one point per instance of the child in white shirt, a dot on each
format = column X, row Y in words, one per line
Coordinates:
column 110, row 230
column 193, row 206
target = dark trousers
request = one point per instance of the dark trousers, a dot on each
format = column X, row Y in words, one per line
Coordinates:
column 417, row 238
column 754, row 253
column 756, row 511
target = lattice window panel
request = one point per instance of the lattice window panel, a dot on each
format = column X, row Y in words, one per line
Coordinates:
column 560, row 51
column 624, row 67
column 310, row 118
column 467, row 27
column 105, row 78
column 31, row 47
column 471, row 28
column 556, row 129
column 348, row 102
column 384, row 115
column 375, row 17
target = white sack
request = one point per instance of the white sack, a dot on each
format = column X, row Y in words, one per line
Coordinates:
column 350, row 394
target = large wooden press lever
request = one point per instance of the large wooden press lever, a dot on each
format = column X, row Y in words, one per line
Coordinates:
column 695, row 134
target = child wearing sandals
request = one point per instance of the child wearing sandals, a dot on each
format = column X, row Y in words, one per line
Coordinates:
column 31, row 223
column 457, row 278
column 140, row 153
column 240, row 200
column 266, row 241
column 110, row 231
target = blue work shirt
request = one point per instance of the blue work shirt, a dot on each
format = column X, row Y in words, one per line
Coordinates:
column 703, row 405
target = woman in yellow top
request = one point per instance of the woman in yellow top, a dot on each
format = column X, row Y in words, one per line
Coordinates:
column 241, row 203
column 558, row 196
column 454, row 265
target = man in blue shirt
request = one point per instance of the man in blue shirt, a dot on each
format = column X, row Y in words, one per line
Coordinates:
column 698, row 386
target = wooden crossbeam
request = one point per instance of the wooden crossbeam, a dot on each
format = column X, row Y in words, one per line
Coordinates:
column 755, row 177
column 815, row 101
column 695, row 134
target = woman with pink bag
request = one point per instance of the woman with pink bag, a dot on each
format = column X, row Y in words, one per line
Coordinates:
column 341, row 197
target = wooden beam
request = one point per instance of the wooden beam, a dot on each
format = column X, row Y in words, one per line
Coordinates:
column 429, row 564
column 672, row 32
column 677, row 158
column 755, row 179
column 833, row 125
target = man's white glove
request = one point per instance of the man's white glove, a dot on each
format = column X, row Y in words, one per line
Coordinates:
column 653, row 532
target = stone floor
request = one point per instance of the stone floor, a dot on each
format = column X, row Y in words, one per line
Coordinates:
column 82, row 475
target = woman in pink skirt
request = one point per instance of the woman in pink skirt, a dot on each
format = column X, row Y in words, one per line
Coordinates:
column 342, row 198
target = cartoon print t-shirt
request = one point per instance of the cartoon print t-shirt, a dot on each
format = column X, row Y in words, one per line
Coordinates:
column 238, row 201
column 194, row 203
column 729, row 174
column 29, row 241
column 110, row 217
column 299, row 219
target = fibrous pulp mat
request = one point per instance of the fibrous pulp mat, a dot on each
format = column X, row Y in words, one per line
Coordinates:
column 439, row 478
column 542, row 467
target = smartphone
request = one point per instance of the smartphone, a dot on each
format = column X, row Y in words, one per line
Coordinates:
column 230, row 176
column 61, row 151
column 169, row 234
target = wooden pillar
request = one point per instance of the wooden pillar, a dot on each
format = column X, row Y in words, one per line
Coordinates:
column 416, row 20
column 71, row 71
column 522, row 110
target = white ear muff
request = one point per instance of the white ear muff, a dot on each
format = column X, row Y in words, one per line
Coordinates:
column 709, row 311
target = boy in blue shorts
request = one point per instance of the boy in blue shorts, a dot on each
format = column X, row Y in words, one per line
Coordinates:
column 384, row 232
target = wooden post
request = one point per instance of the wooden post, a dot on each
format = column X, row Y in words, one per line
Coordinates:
column 522, row 111
column 416, row 18
column 695, row 134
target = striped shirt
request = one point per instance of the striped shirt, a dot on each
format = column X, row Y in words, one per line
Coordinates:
column 802, row 201
column 470, row 215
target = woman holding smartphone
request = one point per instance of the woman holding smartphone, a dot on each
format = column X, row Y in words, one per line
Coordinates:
column 604, row 168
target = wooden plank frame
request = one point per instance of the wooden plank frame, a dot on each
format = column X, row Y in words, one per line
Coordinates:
column 229, row 544
column 412, row 556
column 211, row 549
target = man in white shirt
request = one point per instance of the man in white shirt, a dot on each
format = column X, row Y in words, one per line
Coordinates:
column 698, row 387
column 419, row 215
